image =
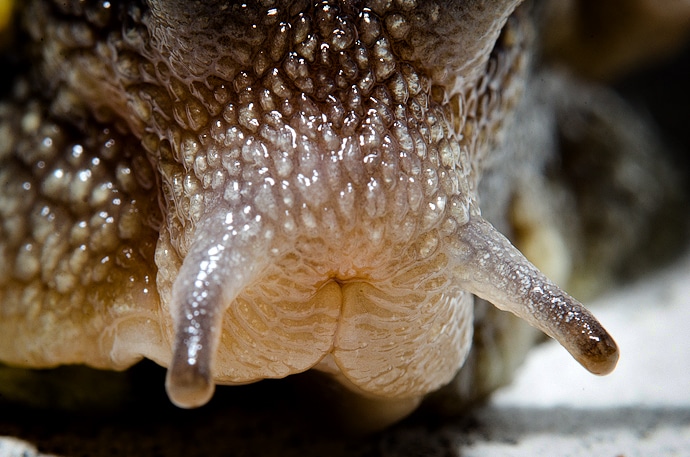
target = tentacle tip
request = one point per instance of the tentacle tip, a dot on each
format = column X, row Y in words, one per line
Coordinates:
column 188, row 387
column 601, row 356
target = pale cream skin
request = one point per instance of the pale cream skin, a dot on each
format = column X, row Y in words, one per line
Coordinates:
column 254, row 190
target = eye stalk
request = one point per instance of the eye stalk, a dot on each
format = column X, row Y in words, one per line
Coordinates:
column 227, row 251
column 495, row 270
column 198, row 306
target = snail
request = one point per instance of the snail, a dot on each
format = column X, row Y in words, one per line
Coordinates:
column 249, row 190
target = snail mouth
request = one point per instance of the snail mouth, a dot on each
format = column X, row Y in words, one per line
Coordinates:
column 400, row 338
column 377, row 339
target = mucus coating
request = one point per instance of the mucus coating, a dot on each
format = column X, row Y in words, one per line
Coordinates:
column 316, row 165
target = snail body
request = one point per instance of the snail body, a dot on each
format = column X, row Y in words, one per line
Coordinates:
column 242, row 191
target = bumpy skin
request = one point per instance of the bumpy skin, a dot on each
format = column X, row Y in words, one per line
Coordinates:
column 242, row 191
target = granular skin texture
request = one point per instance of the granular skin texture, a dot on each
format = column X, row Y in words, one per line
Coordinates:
column 241, row 191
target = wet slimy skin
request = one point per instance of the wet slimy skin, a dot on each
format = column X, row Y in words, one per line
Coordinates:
column 249, row 190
